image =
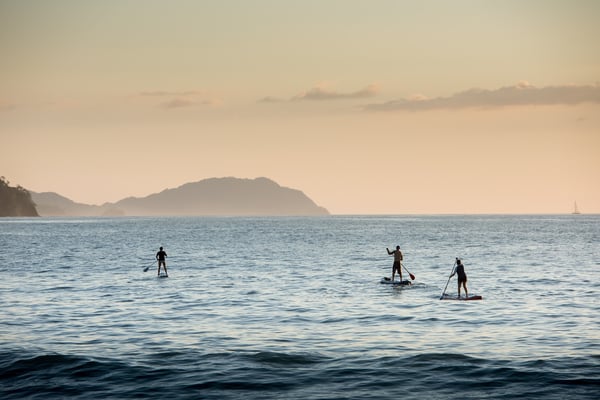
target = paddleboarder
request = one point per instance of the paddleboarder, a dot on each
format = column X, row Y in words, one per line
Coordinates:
column 161, row 257
column 462, row 276
column 397, row 266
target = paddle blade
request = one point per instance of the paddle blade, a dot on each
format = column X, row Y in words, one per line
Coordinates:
column 146, row 269
column 411, row 276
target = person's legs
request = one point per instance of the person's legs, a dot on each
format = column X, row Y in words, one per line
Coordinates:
column 161, row 262
column 396, row 267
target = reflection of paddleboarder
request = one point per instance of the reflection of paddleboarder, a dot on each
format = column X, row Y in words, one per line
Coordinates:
column 161, row 256
column 397, row 262
column 462, row 276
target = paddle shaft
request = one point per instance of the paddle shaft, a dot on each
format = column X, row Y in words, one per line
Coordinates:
column 411, row 275
column 446, row 287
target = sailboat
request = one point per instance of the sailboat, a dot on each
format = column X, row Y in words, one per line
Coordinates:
column 575, row 209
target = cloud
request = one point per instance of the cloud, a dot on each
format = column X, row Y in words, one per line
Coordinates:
column 181, row 99
column 521, row 94
column 270, row 99
column 6, row 106
column 320, row 93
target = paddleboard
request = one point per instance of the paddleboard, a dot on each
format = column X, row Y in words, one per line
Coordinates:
column 388, row 281
column 163, row 276
column 462, row 298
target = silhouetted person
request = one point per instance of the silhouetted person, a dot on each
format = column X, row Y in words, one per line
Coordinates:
column 161, row 257
column 462, row 276
column 397, row 266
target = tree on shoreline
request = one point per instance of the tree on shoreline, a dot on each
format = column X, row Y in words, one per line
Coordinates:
column 15, row 201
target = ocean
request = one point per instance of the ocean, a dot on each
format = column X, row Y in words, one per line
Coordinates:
column 293, row 308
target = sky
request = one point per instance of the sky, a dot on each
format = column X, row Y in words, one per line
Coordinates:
column 368, row 107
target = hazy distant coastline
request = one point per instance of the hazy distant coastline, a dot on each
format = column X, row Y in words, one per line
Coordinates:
column 211, row 197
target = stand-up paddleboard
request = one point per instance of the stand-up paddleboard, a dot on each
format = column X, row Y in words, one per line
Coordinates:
column 162, row 276
column 388, row 281
column 462, row 298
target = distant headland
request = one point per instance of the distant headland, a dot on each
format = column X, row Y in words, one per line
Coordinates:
column 210, row 197
column 15, row 201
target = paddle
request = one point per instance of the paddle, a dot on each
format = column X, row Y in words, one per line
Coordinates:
column 446, row 287
column 148, row 267
column 411, row 275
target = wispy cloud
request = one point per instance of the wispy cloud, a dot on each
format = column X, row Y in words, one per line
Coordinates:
column 181, row 99
column 520, row 94
column 271, row 99
column 322, row 93
column 6, row 106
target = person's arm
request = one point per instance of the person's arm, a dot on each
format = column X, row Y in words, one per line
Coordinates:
column 389, row 252
column 401, row 256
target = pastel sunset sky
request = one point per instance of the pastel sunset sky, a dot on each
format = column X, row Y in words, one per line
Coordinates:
column 368, row 107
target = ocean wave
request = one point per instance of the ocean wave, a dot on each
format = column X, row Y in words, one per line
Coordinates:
column 269, row 374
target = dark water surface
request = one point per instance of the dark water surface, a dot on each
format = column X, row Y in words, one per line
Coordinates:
column 292, row 308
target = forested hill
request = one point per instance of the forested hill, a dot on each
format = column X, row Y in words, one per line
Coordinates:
column 224, row 196
column 15, row 201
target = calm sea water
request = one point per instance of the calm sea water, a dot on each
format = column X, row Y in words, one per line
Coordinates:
column 292, row 308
